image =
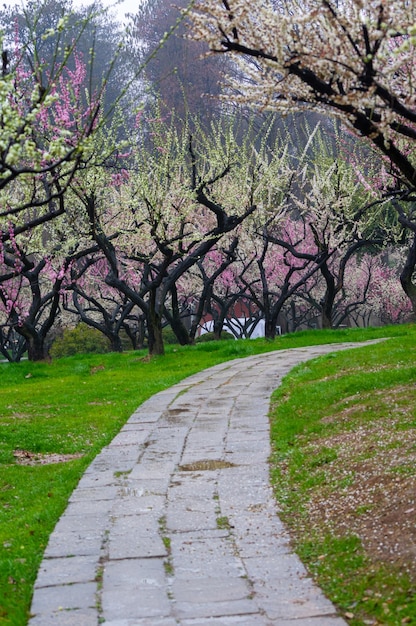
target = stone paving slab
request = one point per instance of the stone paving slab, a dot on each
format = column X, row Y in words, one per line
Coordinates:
column 74, row 543
column 62, row 617
column 77, row 596
column 175, row 523
column 67, row 571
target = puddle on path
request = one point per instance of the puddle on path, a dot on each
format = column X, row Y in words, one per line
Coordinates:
column 205, row 465
column 174, row 415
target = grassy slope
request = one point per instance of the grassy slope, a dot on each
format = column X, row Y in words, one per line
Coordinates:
column 343, row 434
column 76, row 406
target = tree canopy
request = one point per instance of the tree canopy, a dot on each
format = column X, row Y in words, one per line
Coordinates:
column 352, row 58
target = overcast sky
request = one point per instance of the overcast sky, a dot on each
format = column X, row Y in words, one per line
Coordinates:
column 120, row 7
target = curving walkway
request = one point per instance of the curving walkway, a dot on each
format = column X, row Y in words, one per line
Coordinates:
column 174, row 523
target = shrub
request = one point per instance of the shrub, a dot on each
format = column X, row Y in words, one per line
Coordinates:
column 169, row 336
column 211, row 337
column 78, row 340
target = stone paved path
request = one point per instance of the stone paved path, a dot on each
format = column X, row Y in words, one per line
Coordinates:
column 175, row 523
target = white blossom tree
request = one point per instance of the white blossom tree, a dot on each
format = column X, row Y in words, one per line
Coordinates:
column 354, row 59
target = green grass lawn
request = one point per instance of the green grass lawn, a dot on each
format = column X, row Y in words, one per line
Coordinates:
column 75, row 406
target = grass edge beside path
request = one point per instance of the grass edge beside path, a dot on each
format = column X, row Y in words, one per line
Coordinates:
column 56, row 417
column 344, row 474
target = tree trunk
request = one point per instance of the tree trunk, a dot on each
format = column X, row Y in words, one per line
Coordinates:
column 178, row 327
column 141, row 333
column 217, row 328
column 270, row 328
column 180, row 331
column 36, row 350
column 175, row 320
column 327, row 303
column 115, row 342
column 407, row 274
column 154, row 327
column 326, row 316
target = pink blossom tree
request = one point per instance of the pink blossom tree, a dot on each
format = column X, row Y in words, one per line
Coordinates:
column 30, row 288
column 214, row 287
column 370, row 295
column 280, row 265
column 386, row 300
column 92, row 301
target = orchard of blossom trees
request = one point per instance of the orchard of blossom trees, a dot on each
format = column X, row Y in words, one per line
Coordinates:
column 130, row 221
column 353, row 59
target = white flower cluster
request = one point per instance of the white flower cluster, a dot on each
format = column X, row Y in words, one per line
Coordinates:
column 355, row 57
